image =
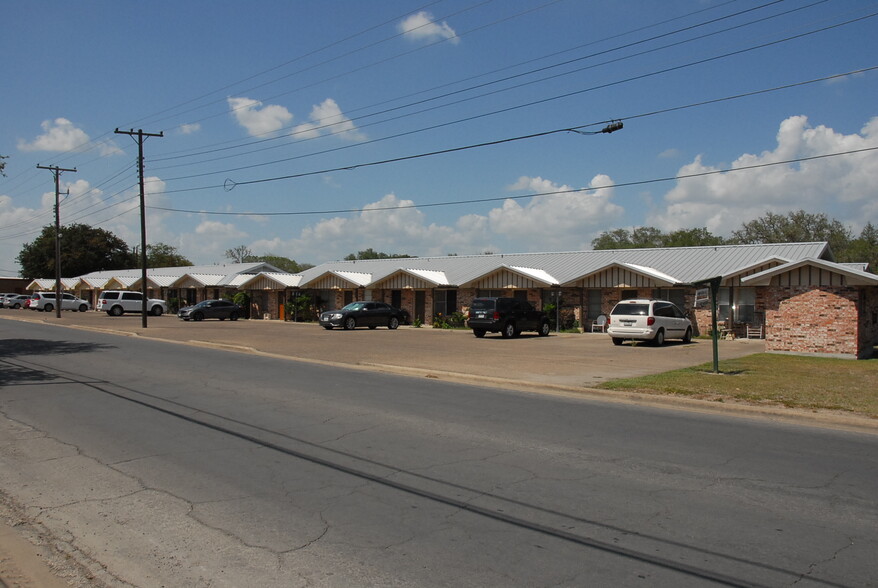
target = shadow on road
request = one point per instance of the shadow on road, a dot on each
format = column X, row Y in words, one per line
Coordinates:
column 12, row 373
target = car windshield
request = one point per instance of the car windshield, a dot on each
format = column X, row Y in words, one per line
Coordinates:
column 354, row 306
column 632, row 309
column 483, row 304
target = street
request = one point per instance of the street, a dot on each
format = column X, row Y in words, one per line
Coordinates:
column 176, row 465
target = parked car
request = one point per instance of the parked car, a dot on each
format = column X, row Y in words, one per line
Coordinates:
column 218, row 309
column 45, row 301
column 648, row 320
column 16, row 301
column 507, row 316
column 363, row 314
column 118, row 302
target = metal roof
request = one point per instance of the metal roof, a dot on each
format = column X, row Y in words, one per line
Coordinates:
column 682, row 264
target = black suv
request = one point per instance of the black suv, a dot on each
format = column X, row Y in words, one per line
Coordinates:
column 507, row 316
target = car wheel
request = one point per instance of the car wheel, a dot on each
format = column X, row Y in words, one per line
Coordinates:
column 544, row 329
column 478, row 333
column 83, row 307
column 48, row 308
column 617, row 340
column 328, row 327
column 659, row 339
column 393, row 324
column 16, row 306
column 115, row 311
column 156, row 311
column 198, row 316
column 687, row 338
column 350, row 323
column 508, row 330
column 233, row 316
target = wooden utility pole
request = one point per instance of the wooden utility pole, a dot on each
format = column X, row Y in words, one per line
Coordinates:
column 140, row 137
column 56, row 171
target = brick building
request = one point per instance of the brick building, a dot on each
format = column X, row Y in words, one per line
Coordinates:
column 793, row 294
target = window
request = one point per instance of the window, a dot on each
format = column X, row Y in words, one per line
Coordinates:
column 593, row 304
column 745, row 305
column 722, row 305
column 132, row 296
column 629, row 294
column 444, row 302
column 675, row 295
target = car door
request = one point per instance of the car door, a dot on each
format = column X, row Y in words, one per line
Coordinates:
column 527, row 316
column 371, row 314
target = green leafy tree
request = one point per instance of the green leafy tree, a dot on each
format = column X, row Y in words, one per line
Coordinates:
column 692, row 238
column 372, row 254
column 3, row 165
column 284, row 263
column 84, row 249
column 164, row 255
column 240, row 254
column 650, row 237
column 863, row 249
column 795, row 227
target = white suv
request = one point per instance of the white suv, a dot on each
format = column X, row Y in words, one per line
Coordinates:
column 118, row 302
column 650, row 320
column 46, row 301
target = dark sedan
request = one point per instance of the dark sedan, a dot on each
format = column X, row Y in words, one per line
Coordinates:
column 207, row 309
column 363, row 314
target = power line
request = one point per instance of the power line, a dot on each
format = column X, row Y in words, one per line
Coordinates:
column 229, row 184
column 511, row 77
column 520, row 197
column 520, row 106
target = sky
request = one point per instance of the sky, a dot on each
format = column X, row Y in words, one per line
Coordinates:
column 315, row 129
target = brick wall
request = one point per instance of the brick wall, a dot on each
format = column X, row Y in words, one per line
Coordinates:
column 807, row 319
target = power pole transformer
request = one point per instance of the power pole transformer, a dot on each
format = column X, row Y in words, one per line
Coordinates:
column 56, row 171
column 140, row 137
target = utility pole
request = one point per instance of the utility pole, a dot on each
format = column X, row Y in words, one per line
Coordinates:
column 56, row 171
column 140, row 137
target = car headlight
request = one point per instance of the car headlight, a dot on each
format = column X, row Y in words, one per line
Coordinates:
column 335, row 315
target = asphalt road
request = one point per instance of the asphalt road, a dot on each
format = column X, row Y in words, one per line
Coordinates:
column 157, row 464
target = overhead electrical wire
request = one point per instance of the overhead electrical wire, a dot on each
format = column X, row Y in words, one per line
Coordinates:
column 533, row 103
column 508, row 78
column 523, row 196
column 540, row 80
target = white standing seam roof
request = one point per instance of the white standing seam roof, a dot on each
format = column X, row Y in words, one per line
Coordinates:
column 282, row 279
column 854, row 276
column 670, row 265
column 535, row 274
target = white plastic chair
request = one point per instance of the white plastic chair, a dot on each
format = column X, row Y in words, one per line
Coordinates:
column 599, row 324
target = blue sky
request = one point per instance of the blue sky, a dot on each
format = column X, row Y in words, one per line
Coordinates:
column 249, row 94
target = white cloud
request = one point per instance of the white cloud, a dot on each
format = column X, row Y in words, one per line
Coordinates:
column 60, row 135
column 259, row 119
column 328, row 118
column 556, row 221
column 188, row 129
column 421, row 26
column 843, row 187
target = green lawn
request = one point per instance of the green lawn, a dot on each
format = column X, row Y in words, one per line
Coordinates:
column 769, row 379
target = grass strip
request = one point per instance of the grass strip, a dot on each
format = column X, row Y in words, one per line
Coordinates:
column 815, row 383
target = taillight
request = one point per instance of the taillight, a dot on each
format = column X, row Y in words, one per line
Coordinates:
column 469, row 314
column 496, row 316
column 650, row 321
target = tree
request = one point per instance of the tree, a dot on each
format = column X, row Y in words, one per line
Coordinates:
column 863, row 249
column 372, row 254
column 795, row 227
column 240, row 254
column 84, row 249
column 284, row 263
column 164, row 255
column 3, row 165
column 650, row 237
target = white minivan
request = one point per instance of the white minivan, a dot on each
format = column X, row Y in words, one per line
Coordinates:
column 648, row 320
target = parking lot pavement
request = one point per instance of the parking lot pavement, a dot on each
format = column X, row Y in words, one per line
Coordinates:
column 560, row 360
